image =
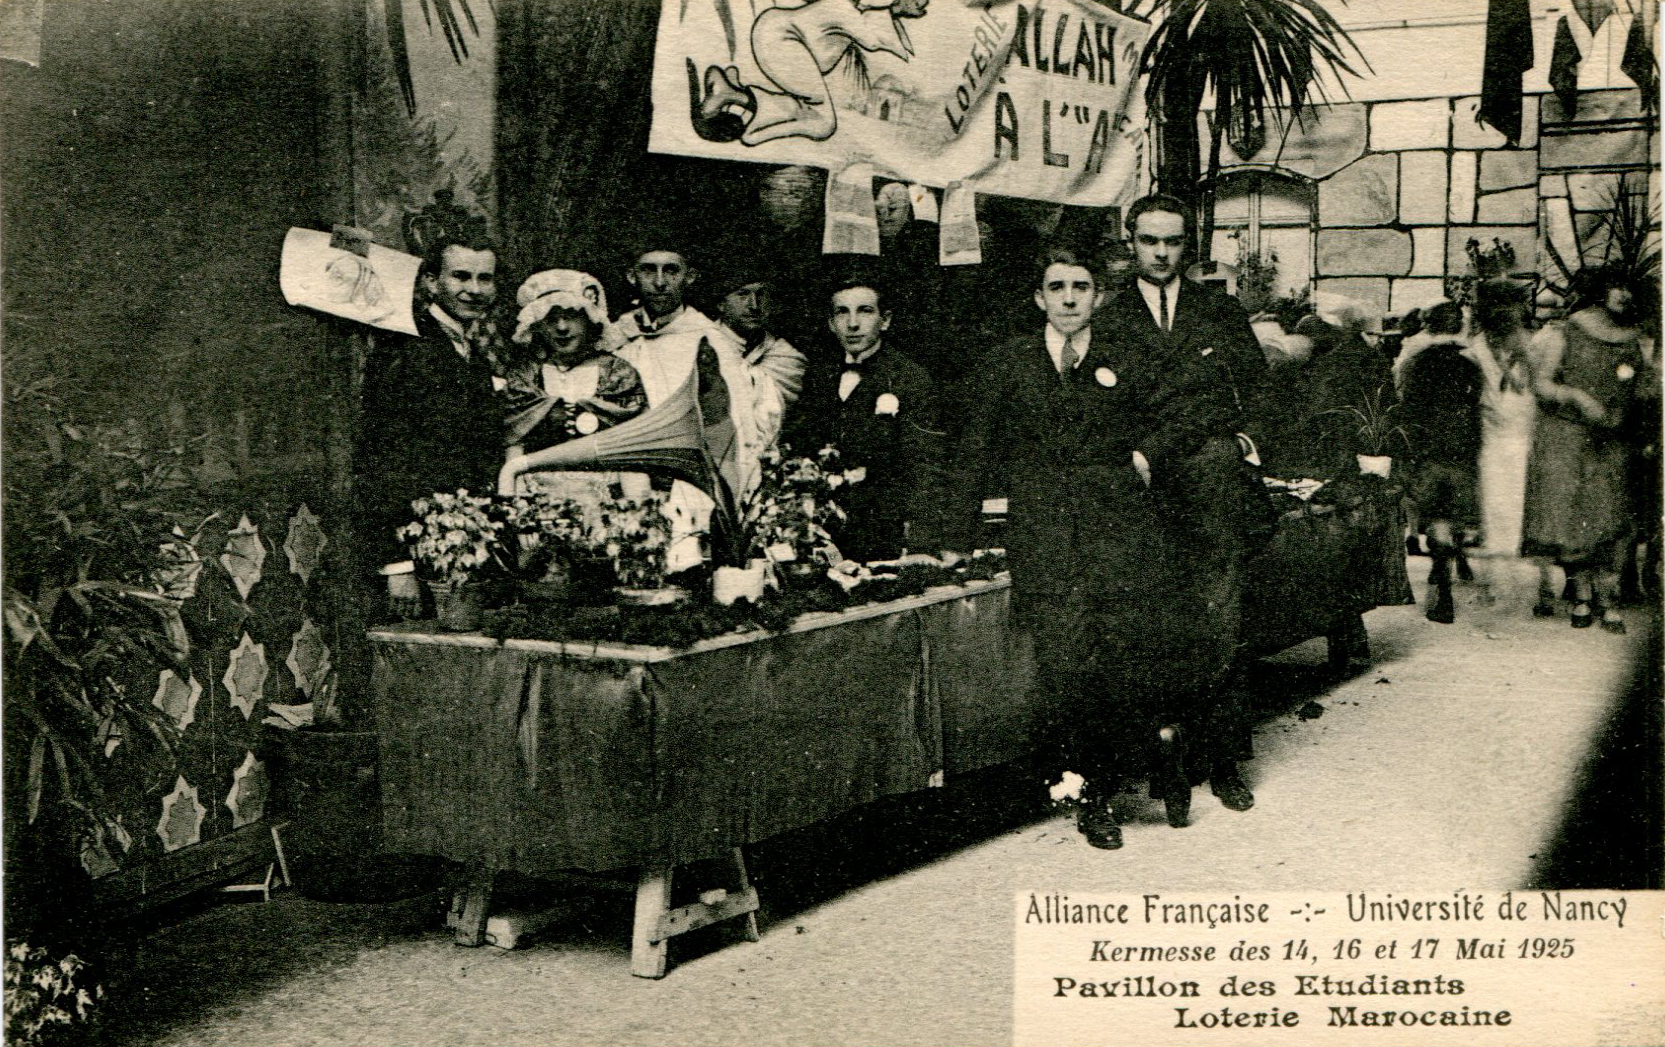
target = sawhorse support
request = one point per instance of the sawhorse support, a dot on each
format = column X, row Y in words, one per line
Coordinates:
column 656, row 923
column 277, row 871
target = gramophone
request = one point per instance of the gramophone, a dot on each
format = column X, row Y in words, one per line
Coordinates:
column 690, row 436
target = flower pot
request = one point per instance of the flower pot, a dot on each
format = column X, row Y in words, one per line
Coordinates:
column 1375, row 464
column 456, row 605
column 669, row 594
column 729, row 584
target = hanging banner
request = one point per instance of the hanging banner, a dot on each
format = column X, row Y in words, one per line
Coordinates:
column 1036, row 100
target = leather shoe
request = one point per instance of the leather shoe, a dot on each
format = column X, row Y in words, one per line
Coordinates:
column 1227, row 783
column 1176, row 787
column 1096, row 820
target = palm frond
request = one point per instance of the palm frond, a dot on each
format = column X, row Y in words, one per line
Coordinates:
column 450, row 16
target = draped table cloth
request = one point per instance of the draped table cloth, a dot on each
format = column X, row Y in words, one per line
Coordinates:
column 544, row 757
column 540, row 756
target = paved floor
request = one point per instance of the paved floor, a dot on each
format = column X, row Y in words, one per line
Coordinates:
column 1452, row 763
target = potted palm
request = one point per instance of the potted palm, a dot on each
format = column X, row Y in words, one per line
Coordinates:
column 1251, row 58
column 454, row 539
column 1379, row 435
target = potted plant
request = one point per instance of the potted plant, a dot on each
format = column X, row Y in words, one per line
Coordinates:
column 549, row 537
column 1378, row 433
column 786, row 519
column 92, row 510
column 635, row 537
column 454, row 539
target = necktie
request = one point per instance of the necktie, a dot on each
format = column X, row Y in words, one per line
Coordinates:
column 1162, row 305
column 1067, row 358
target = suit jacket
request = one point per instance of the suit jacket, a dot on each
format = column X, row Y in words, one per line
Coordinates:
column 1080, row 521
column 1209, row 325
column 1226, row 508
column 898, row 504
column 431, row 422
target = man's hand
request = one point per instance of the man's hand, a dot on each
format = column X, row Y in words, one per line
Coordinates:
column 404, row 595
column 1142, row 467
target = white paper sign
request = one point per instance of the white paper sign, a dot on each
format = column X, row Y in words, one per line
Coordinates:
column 376, row 288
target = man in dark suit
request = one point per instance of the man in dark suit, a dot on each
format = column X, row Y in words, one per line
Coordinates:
column 431, row 420
column 1226, row 512
column 1083, row 431
column 880, row 409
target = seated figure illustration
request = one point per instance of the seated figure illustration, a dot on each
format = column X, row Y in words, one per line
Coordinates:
column 795, row 48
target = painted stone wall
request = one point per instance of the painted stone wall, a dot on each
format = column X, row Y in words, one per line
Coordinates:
column 1404, row 185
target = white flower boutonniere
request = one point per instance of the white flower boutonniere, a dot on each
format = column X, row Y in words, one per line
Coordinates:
column 1625, row 372
column 1067, row 787
column 586, row 423
column 887, row 404
column 1105, row 377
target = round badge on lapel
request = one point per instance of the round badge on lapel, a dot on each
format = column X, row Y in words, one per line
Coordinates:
column 586, row 423
column 1625, row 372
column 887, row 404
column 1105, row 377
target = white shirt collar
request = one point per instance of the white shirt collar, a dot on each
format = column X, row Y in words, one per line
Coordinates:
column 1152, row 293
column 1055, row 345
column 452, row 327
column 851, row 358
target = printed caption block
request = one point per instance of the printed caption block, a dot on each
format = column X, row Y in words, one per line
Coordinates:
column 1467, row 968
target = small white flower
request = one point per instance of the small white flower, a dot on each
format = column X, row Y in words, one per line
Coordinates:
column 1207, row 349
column 1105, row 377
column 856, row 475
column 586, row 423
column 1067, row 787
column 1625, row 372
column 887, row 404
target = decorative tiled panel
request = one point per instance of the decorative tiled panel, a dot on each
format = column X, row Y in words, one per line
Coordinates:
column 255, row 588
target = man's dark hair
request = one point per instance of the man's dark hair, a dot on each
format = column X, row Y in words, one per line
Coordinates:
column 1052, row 256
column 650, row 243
column 850, row 283
column 1158, row 202
column 433, row 262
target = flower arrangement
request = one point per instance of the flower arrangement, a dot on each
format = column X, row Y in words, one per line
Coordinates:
column 454, row 536
column 548, row 533
column 635, row 537
column 47, row 1000
column 787, row 517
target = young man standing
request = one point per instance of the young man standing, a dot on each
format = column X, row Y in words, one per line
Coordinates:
column 1083, row 433
column 745, row 311
column 880, row 409
column 662, row 339
column 1224, row 508
column 431, row 421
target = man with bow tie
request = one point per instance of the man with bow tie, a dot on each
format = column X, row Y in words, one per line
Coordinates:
column 880, row 409
column 431, row 421
column 1082, row 430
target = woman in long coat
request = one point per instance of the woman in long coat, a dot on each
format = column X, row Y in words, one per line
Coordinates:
column 1588, row 372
